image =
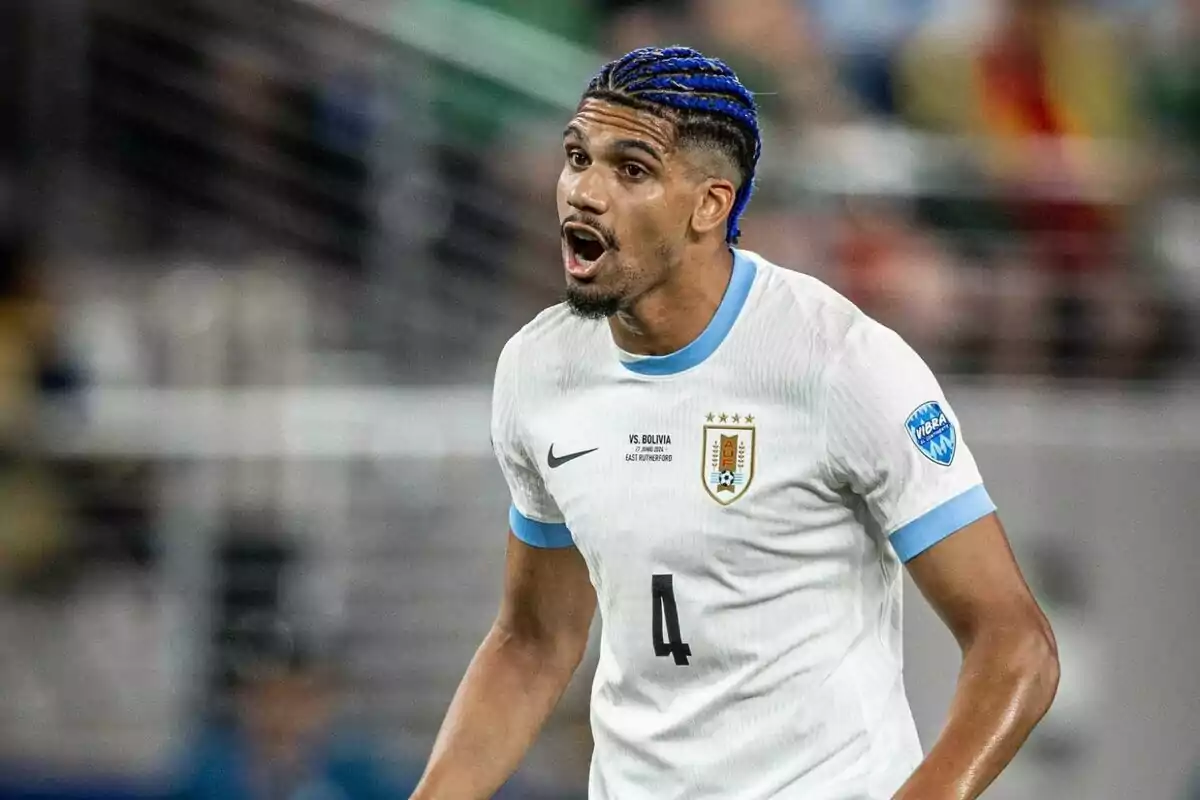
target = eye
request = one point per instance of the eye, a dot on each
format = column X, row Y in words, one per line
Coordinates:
column 577, row 158
column 634, row 170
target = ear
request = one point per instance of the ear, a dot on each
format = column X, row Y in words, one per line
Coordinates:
column 714, row 201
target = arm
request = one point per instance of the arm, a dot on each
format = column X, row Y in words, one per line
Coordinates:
column 1010, row 665
column 895, row 441
column 517, row 676
column 539, row 636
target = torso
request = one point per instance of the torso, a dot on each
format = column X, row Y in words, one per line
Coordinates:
column 706, row 506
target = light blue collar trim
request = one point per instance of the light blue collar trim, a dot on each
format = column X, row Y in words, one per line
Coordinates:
column 714, row 333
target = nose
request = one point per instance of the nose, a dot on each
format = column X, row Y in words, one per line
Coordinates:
column 587, row 193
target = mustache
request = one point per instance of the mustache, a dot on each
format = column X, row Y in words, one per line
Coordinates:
column 607, row 236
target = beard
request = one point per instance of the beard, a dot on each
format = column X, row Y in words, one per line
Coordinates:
column 590, row 300
column 589, row 303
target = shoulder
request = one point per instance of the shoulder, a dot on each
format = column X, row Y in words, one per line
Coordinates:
column 801, row 308
column 553, row 340
column 557, row 329
column 552, row 331
column 841, row 342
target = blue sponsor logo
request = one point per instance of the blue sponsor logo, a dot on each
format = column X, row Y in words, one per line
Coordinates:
column 933, row 433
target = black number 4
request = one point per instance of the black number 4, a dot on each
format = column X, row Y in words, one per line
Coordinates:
column 663, row 589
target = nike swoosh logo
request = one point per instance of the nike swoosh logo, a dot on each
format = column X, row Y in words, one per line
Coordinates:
column 557, row 461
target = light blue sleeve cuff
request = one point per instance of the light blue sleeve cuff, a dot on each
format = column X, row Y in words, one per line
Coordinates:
column 538, row 534
column 953, row 515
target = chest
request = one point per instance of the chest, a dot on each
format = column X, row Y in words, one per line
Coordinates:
column 710, row 468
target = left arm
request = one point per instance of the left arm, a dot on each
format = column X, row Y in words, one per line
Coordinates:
column 895, row 441
column 1009, row 668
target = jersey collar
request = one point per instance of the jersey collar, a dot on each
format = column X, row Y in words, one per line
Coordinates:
column 714, row 333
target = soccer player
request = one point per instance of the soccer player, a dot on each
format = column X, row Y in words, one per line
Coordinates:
column 732, row 462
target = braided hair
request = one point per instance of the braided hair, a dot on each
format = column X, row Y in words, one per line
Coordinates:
column 703, row 98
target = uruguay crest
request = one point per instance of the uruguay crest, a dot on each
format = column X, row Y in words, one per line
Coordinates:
column 933, row 433
column 727, row 465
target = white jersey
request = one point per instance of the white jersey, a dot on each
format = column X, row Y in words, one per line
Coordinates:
column 744, row 506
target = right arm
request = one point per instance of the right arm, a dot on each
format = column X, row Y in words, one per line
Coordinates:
column 539, row 636
column 517, row 676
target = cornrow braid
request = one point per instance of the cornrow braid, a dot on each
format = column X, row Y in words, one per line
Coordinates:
column 703, row 98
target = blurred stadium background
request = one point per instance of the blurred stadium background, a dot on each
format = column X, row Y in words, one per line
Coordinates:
column 258, row 258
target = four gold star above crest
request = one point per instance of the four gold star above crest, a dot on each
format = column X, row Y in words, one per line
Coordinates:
column 748, row 418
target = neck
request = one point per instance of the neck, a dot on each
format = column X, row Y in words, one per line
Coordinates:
column 673, row 314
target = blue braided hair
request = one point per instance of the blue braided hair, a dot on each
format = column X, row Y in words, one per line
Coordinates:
column 701, row 96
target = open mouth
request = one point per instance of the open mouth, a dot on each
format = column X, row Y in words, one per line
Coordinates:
column 586, row 247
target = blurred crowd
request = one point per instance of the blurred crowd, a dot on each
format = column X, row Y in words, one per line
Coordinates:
column 1014, row 185
column 1011, row 184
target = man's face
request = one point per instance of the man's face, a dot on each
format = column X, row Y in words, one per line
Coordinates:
column 625, row 200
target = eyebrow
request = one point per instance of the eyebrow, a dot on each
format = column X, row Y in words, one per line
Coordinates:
column 573, row 130
column 638, row 144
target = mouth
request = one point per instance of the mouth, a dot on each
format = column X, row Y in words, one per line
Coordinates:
column 583, row 249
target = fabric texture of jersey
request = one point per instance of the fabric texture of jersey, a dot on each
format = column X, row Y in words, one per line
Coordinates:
column 744, row 506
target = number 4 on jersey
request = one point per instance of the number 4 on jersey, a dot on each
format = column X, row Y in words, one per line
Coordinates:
column 663, row 589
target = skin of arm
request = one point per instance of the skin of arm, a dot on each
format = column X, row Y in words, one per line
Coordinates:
column 517, row 676
column 1009, row 672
